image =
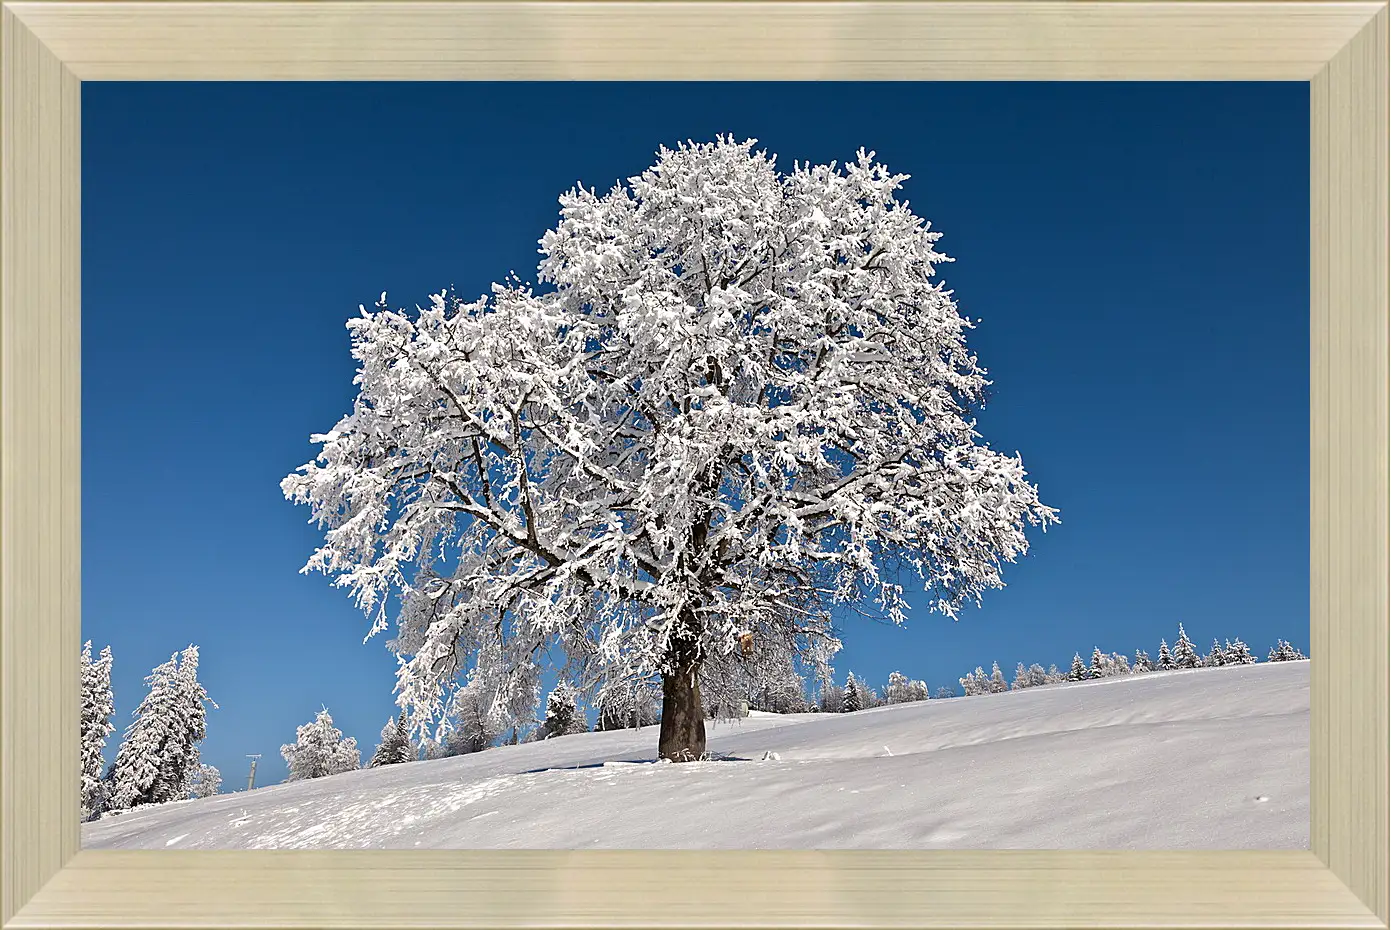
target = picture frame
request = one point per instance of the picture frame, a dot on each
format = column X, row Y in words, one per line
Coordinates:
column 47, row 49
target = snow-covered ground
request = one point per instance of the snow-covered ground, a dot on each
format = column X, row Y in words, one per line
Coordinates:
column 1213, row 758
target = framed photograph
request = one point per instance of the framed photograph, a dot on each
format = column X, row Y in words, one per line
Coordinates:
column 614, row 514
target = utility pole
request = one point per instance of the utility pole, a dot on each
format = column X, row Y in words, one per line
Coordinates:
column 251, row 779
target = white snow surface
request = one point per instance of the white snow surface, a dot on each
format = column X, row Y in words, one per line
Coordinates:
column 1200, row 759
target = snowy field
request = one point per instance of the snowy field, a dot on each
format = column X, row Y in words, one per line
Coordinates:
column 1204, row 759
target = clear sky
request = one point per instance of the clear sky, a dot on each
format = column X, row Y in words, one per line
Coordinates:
column 1138, row 254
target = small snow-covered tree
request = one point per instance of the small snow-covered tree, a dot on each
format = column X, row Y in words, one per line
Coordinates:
column 320, row 749
column 854, row 695
column 98, row 706
column 1165, row 660
column 1284, row 652
column 395, row 746
column 1216, row 656
column 1101, row 664
column 918, row 690
column 1120, row 665
column 207, row 783
column 1054, row 675
column 1021, row 678
column 897, row 690
column 832, row 698
column 742, row 400
column 944, row 693
column 1185, row 656
column 563, row 716
column 1238, row 653
column 1078, row 672
column 997, row 682
column 158, row 758
column 1142, row 662
column 1036, row 675
column 977, row 682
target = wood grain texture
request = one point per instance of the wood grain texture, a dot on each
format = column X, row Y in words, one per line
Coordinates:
column 748, row 889
column 39, row 462
column 696, row 40
column 48, row 47
column 1350, row 503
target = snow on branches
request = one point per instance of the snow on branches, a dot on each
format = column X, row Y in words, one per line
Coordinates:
column 737, row 398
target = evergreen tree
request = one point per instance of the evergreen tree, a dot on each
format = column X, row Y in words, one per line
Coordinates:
column 158, row 757
column 1054, row 675
column 320, row 749
column 1165, row 660
column 395, row 746
column 945, row 692
column 1120, row 665
column 1238, row 653
column 854, row 695
column 207, row 783
column 997, row 679
column 1078, row 672
column 563, row 715
column 1021, row 678
column 1100, row 666
column 98, row 706
column 1216, row 656
column 976, row 682
column 1284, row 652
column 917, row 691
column 1037, row 676
column 1142, row 662
column 1185, row 656
column 898, row 690
column 832, row 698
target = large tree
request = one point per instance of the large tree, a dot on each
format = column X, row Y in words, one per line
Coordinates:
column 737, row 400
column 158, row 759
column 98, row 706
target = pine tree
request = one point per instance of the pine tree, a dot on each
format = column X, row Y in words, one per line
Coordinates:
column 854, row 695
column 1021, row 678
column 832, row 698
column 1165, row 661
column 1238, row 653
column 917, row 691
column 1054, row 675
column 1037, row 676
column 1142, row 662
column 976, row 682
column 320, row 749
column 944, row 693
column 1284, row 652
column 1100, row 666
column 1185, row 656
column 563, row 716
column 158, row 757
column 98, row 706
column 395, row 746
column 997, row 679
column 1078, row 672
column 1120, row 665
column 1216, row 656
column 207, row 783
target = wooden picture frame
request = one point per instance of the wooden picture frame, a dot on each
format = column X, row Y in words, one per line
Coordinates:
column 49, row 48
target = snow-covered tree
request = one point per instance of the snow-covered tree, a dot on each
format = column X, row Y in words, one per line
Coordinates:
column 1185, row 656
column 631, row 704
column 1238, row 653
column 320, row 749
column 1284, row 652
column 98, row 706
column 739, row 400
column 1101, row 664
column 1054, row 676
column 945, row 692
column 1120, row 665
column 1037, row 676
column 1078, row 672
column 854, row 695
column 918, row 690
column 832, row 700
column 1142, row 662
column 896, row 691
column 1165, row 661
column 395, row 746
column 977, row 682
column 1021, row 678
column 563, row 716
column 207, row 783
column 997, row 682
column 158, row 758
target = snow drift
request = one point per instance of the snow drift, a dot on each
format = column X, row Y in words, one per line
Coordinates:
column 1202, row 759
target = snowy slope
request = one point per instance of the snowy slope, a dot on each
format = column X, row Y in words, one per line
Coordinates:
column 1212, row 758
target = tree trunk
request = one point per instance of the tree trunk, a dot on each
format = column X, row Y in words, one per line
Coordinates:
column 682, row 737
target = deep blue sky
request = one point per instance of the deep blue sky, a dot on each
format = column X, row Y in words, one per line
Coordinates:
column 1138, row 254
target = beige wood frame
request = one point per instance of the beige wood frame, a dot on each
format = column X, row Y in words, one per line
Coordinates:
column 50, row 47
